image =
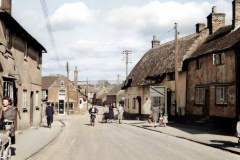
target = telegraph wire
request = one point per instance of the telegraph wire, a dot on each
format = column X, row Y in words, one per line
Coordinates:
column 50, row 30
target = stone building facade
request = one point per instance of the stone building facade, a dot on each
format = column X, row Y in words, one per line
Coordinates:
column 20, row 68
column 213, row 70
column 55, row 91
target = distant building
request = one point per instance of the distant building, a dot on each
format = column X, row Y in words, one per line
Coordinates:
column 20, row 68
column 55, row 91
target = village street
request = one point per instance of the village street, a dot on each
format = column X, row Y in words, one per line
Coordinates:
column 117, row 142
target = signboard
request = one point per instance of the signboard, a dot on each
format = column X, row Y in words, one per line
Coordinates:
column 157, row 91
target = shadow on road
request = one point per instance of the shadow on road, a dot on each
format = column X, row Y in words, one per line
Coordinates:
column 224, row 144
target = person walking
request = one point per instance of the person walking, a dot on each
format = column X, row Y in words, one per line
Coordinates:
column 111, row 112
column 155, row 112
column 120, row 113
column 238, row 130
column 10, row 115
column 49, row 114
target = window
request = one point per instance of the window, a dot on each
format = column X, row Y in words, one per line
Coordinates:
column 171, row 76
column 218, row 59
column 200, row 96
column 24, row 101
column 134, row 103
column 8, row 89
column 156, row 101
column 62, row 84
column 198, row 64
column 221, row 95
column 36, row 99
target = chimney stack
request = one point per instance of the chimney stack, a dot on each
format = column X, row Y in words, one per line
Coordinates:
column 236, row 13
column 215, row 20
column 200, row 27
column 6, row 5
column 155, row 42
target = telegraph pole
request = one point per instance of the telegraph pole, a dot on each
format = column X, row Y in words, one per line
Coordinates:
column 127, row 53
column 67, row 67
column 87, row 93
column 176, row 64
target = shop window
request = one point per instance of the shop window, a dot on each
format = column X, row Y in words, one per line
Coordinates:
column 200, row 93
column 221, row 95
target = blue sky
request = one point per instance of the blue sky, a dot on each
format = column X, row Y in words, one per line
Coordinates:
column 91, row 34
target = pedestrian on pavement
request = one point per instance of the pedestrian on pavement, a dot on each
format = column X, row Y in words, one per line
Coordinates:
column 49, row 114
column 156, row 112
column 111, row 112
column 10, row 114
column 238, row 131
column 120, row 113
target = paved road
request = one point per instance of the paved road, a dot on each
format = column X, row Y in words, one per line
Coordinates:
column 123, row 142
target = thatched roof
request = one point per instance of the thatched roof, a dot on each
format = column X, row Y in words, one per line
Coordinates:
column 158, row 61
column 222, row 39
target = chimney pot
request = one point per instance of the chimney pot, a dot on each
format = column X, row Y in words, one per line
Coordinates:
column 155, row 42
column 236, row 13
column 200, row 27
column 214, row 9
column 215, row 20
column 6, row 5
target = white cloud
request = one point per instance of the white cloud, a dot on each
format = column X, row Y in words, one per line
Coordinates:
column 93, row 39
column 71, row 14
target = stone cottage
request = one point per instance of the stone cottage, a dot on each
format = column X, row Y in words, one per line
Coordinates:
column 213, row 83
column 20, row 68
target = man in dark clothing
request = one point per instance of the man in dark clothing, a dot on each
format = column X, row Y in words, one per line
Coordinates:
column 49, row 114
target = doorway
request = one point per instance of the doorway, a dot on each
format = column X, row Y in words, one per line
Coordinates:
column 31, row 108
column 61, row 108
column 206, row 107
column 139, row 99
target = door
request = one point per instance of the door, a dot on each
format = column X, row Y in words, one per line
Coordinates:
column 169, row 103
column 206, row 107
column 31, row 108
column 139, row 99
column 61, row 108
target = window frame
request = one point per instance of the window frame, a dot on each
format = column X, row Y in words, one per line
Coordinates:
column 224, row 94
column 200, row 91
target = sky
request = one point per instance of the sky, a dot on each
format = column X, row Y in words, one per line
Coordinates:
column 91, row 34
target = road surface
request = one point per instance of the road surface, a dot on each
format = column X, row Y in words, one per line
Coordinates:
column 122, row 142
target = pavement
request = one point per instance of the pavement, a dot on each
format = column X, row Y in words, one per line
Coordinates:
column 115, row 141
column 206, row 136
column 33, row 140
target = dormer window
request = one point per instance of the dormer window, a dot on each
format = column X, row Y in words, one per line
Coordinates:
column 8, row 39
